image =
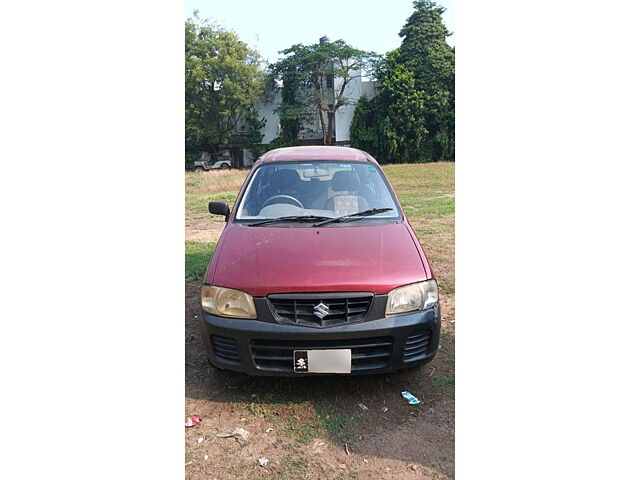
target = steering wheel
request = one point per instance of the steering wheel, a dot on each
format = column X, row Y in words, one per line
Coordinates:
column 290, row 199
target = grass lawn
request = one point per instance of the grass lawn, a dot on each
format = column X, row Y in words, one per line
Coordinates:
column 196, row 257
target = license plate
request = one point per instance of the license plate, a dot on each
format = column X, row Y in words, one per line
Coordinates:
column 322, row 361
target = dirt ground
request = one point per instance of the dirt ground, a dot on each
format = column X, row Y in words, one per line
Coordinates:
column 203, row 229
column 403, row 442
column 315, row 427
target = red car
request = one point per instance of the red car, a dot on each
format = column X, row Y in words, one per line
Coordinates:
column 318, row 272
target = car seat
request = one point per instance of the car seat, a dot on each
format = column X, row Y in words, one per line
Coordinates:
column 347, row 198
column 285, row 182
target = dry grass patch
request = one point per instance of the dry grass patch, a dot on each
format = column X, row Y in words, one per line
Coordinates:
column 432, row 177
column 214, row 181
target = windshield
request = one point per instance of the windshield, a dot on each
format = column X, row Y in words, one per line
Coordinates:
column 318, row 189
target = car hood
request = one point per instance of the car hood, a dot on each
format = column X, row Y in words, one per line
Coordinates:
column 264, row 260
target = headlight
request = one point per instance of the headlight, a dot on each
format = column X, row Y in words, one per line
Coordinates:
column 409, row 298
column 227, row 302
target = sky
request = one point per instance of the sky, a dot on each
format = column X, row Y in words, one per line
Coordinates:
column 270, row 26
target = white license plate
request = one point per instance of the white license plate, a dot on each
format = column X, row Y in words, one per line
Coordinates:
column 322, row 361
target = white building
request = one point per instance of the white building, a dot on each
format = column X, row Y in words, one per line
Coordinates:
column 312, row 133
column 271, row 128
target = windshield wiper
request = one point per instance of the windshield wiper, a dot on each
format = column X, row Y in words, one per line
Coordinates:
column 353, row 216
column 291, row 218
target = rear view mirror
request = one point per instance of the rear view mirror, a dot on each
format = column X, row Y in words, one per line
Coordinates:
column 315, row 173
column 219, row 208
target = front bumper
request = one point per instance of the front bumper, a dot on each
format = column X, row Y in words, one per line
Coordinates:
column 260, row 347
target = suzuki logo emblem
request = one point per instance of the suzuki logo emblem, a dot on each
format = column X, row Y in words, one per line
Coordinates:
column 321, row 310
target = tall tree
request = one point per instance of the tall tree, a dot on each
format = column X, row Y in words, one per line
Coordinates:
column 222, row 83
column 425, row 51
column 404, row 126
column 315, row 79
column 412, row 117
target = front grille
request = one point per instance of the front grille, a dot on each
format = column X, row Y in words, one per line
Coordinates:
column 415, row 348
column 366, row 353
column 225, row 349
column 319, row 309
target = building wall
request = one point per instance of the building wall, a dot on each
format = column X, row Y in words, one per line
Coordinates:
column 267, row 110
column 313, row 131
column 369, row 89
column 344, row 115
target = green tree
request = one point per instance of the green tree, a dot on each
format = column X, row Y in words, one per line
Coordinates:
column 412, row 117
column 314, row 81
column 286, row 77
column 425, row 51
column 222, row 83
column 364, row 131
column 251, row 132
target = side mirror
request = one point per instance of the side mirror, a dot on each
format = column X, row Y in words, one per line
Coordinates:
column 219, row 208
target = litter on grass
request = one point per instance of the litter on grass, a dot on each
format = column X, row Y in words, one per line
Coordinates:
column 269, row 430
column 263, row 461
column 363, row 406
column 192, row 421
column 240, row 434
column 201, row 439
column 412, row 400
column 385, row 409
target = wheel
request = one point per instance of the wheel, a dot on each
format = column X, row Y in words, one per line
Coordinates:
column 291, row 200
column 225, row 166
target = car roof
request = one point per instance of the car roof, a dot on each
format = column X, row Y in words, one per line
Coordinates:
column 316, row 153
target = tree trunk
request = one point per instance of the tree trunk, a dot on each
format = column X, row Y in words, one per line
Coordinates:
column 328, row 135
column 324, row 129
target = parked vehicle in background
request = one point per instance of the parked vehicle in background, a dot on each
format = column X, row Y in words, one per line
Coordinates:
column 318, row 271
column 222, row 164
column 202, row 165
